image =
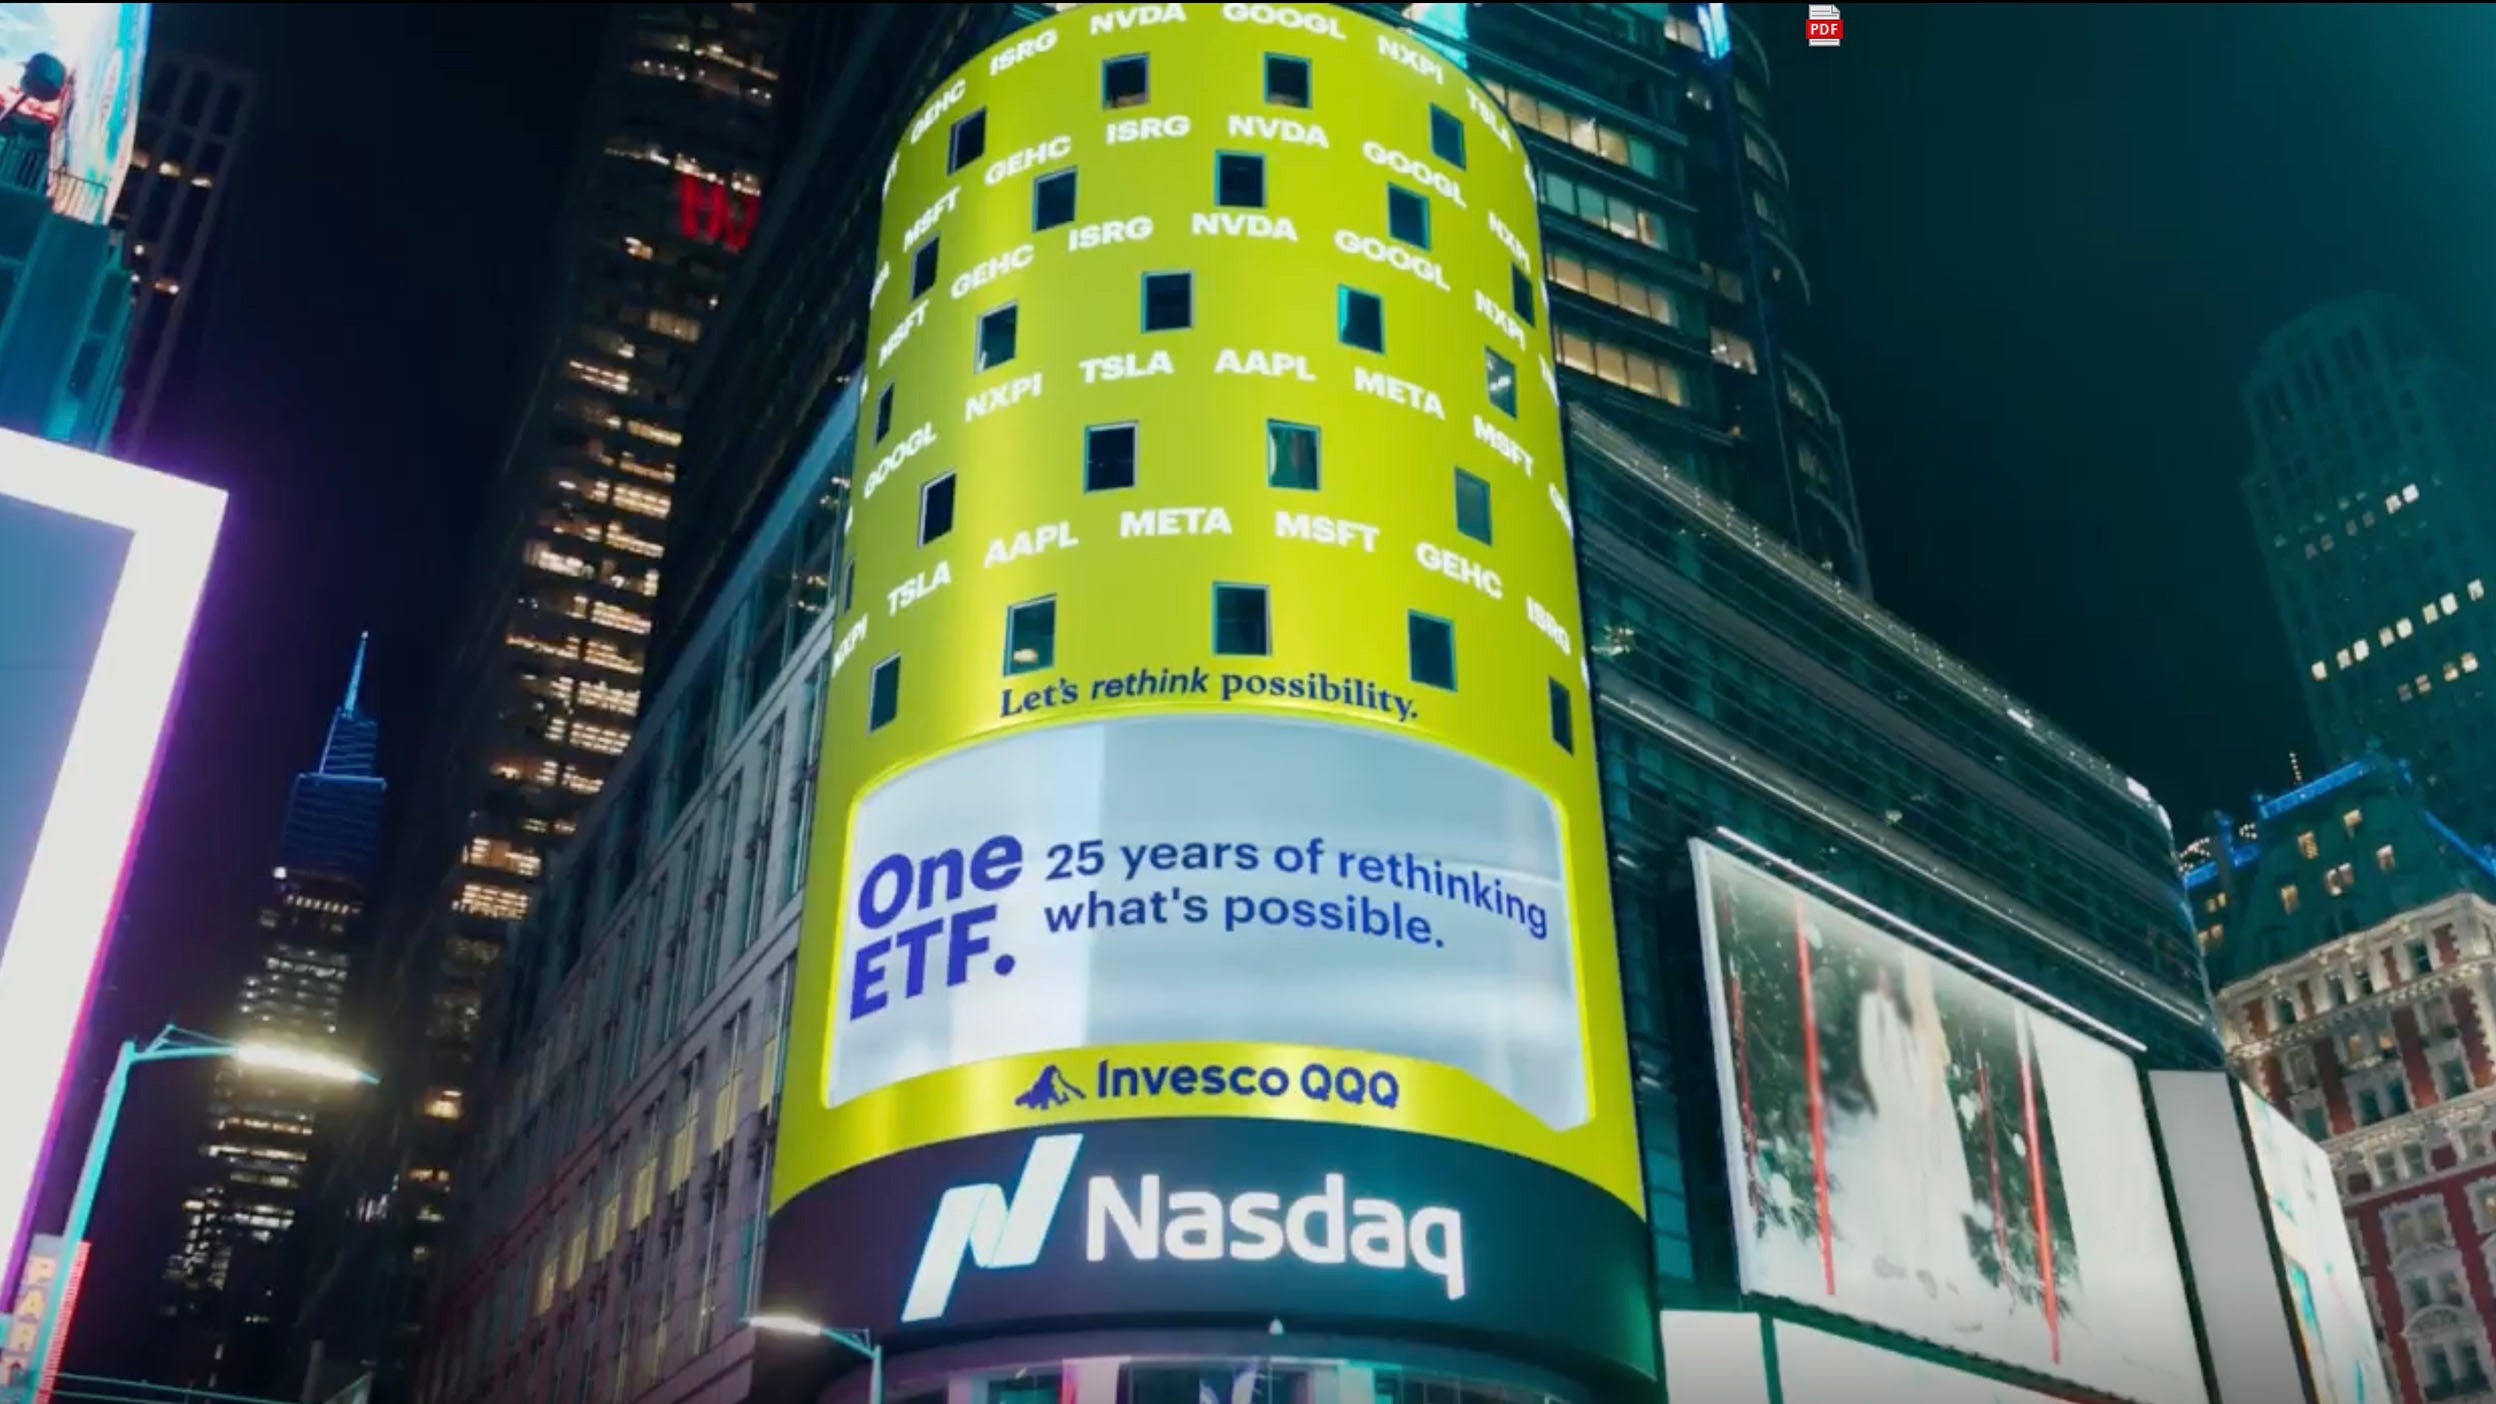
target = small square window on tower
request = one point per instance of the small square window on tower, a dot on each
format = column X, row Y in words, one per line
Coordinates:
column 1408, row 216
column 996, row 338
column 1052, row 200
column 1239, row 180
column 1447, row 136
column 1432, row 642
column 968, row 141
column 1126, row 81
column 1169, row 301
column 1286, row 80
column 1031, row 635
column 1360, row 320
column 1290, row 455
column 1108, row 457
column 1239, row 621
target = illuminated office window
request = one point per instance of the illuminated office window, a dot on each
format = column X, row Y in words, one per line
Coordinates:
column 1473, row 507
column 923, row 269
column 1108, row 457
column 884, row 692
column 996, row 338
column 936, row 509
column 1360, row 319
column 1239, row 621
column 1239, row 180
column 1126, row 81
column 1432, row 644
column 1052, row 200
column 1286, row 80
column 1169, row 301
column 1447, row 136
column 1031, row 635
column 1290, row 455
column 1408, row 216
column 969, row 139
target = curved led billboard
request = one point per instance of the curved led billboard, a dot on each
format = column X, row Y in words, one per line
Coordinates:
column 1209, row 918
column 1921, row 1150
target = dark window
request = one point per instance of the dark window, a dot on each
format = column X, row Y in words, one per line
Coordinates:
column 1290, row 455
column 1126, row 81
column 970, row 138
column 884, row 414
column 1239, row 180
column 884, row 692
column 1447, row 136
column 1432, row 641
column 1108, row 457
column 1408, row 216
column 1499, row 378
column 1286, row 80
column 1563, row 718
column 1169, row 301
column 849, row 586
column 1360, row 320
column 1521, row 294
column 936, row 509
column 1473, row 507
column 923, row 270
column 1053, row 200
column 996, row 338
column 1239, row 620
column 1031, row 635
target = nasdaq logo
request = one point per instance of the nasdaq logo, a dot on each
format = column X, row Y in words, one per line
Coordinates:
column 1333, row 1227
column 980, row 1223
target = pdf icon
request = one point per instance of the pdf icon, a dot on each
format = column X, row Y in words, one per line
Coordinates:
column 1822, row 29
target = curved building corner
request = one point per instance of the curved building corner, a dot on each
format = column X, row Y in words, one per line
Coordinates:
column 1213, row 961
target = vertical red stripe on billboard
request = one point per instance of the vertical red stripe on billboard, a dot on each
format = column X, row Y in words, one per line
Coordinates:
column 1819, row 1109
column 2036, row 1191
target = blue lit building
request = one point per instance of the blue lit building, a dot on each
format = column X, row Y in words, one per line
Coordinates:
column 237, row 1273
column 2351, row 939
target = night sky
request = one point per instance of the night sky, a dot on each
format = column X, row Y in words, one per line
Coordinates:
column 2045, row 244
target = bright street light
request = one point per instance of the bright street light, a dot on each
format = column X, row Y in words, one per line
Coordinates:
column 170, row 1043
column 280, row 1057
column 859, row 1342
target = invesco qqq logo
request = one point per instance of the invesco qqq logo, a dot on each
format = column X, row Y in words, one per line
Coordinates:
column 981, row 1224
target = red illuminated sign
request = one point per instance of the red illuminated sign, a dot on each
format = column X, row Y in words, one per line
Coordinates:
column 711, row 213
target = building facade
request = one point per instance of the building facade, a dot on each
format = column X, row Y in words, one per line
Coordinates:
column 236, row 1273
column 194, row 116
column 2373, row 495
column 2351, row 940
column 545, row 677
column 1772, row 748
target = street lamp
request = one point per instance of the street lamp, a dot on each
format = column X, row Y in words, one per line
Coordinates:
column 170, row 1043
column 858, row 1342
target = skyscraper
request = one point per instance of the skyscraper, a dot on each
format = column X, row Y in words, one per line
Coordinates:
column 236, row 1272
column 2373, row 494
column 544, row 677
column 194, row 114
column 1671, row 246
